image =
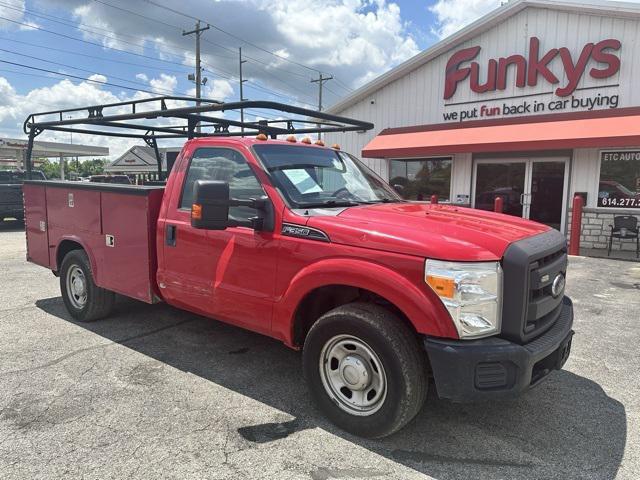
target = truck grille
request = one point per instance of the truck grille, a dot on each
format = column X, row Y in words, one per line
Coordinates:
column 530, row 267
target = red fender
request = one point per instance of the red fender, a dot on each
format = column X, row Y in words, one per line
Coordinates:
column 83, row 244
column 419, row 303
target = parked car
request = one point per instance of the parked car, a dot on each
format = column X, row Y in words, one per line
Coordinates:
column 119, row 179
column 11, row 205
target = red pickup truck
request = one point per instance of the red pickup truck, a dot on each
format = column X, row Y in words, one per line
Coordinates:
column 305, row 244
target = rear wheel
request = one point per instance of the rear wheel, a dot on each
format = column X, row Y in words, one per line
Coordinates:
column 365, row 369
column 84, row 300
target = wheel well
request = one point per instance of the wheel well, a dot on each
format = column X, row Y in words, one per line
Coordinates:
column 319, row 301
column 65, row 247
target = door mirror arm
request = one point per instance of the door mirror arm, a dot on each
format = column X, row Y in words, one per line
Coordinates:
column 256, row 203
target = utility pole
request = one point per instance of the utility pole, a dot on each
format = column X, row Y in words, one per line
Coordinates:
column 320, row 81
column 198, row 31
column 242, row 99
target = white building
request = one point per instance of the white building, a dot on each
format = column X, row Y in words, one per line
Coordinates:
column 535, row 102
column 142, row 160
column 13, row 150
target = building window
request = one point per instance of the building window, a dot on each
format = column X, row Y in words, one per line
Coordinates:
column 418, row 179
column 619, row 179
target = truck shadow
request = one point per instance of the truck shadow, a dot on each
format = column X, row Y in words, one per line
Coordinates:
column 565, row 428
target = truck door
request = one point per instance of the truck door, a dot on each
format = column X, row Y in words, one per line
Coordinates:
column 226, row 274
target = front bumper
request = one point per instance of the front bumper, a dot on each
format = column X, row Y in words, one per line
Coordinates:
column 490, row 368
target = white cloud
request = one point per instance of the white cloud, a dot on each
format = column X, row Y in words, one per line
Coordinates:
column 97, row 77
column 365, row 36
column 13, row 10
column 142, row 76
column 218, row 90
column 15, row 107
column 452, row 15
column 352, row 39
column 164, row 85
column 29, row 25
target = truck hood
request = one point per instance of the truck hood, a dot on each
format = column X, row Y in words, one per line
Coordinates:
column 433, row 231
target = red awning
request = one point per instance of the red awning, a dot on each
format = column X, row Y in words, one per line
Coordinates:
column 611, row 128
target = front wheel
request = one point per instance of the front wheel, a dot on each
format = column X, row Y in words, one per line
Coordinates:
column 84, row 300
column 365, row 369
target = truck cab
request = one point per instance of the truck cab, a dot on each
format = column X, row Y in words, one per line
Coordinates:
column 302, row 242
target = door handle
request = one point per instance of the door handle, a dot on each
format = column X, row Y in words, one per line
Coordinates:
column 170, row 235
column 522, row 199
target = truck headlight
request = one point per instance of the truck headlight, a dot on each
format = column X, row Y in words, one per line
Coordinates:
column 472, row 293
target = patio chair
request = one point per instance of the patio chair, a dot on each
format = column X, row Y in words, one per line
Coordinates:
column 624, row 227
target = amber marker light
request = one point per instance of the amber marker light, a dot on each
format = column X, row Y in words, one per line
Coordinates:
column 306, row 140
column 261, row 136
column 335, row 146
column 444, row 287
column 196, row 211
column 292, row 139
column 319, row 142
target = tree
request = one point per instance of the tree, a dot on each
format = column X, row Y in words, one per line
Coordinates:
column 85, row 168
column 50, row 169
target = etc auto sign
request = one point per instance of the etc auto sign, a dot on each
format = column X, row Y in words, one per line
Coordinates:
column 596, row 60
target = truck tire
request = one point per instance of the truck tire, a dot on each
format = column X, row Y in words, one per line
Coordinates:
column 85, row 301
column 365, row 369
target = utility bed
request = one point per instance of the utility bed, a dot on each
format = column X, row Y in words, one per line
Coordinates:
column 116, row 224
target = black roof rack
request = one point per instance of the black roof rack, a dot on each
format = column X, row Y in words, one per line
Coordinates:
column 127, row 119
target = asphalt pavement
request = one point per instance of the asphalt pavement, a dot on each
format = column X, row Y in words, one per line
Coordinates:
column 155, row 392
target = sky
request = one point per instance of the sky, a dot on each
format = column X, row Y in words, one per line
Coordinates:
column 68, row 53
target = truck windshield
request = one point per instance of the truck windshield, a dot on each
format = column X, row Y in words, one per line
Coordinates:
column 318, row 177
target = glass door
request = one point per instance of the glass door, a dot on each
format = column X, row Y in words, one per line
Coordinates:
column 506, row 179
column 547, row 192
column 533, row 188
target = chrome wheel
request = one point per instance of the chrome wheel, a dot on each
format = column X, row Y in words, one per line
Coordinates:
column 353, row 375
column 76, row 287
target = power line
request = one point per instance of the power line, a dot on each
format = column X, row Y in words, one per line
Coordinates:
column 122, row 9
column 177, row 12
column 68, row 75
column 72, row 52
column 48, row 17
column 60, row 20
column 258, row 47
column 254, row 85
column 343, row 85
column 206, row 40
column 89, row 42
column 69, row 24
column 293, row 87
column 66, row 23
column 80, row 69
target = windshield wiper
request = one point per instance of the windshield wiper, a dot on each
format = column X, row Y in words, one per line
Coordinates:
column 329, row 204
column 385, row 200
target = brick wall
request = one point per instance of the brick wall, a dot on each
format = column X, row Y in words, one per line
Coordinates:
column 595, row 229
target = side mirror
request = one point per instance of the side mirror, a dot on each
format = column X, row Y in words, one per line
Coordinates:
column 210, row 209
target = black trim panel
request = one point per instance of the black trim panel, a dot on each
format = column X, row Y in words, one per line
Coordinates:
column 521, row 260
